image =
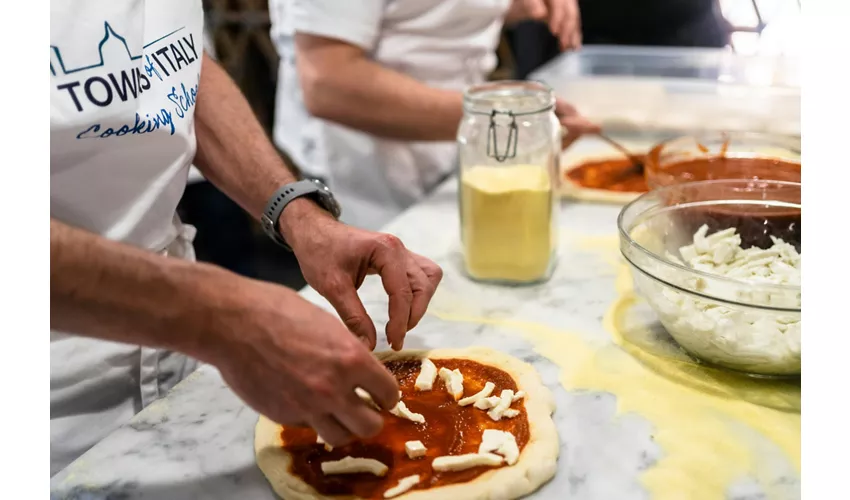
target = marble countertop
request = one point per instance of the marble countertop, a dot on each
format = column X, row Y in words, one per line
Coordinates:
column 197, row 443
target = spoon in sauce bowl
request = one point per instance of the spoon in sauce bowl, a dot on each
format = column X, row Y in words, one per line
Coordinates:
column 637, row 161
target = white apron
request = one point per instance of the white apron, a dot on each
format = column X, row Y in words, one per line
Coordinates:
column 444, row 43
column 124, row 76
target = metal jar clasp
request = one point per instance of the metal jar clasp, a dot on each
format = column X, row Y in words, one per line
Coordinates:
column 492, row 141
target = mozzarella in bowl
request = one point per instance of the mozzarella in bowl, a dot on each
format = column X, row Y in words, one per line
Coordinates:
column 759, row 340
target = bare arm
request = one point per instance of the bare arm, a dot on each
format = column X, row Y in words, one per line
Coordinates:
column 342, row 85
column 235, row 154
column 285, row 357
column 113, row 291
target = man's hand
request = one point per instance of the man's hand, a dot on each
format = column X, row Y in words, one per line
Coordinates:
column 562, row 16
column 287, row 358
column 335, row 259
column 574, row 124
column 235, row 154
column 297, row 364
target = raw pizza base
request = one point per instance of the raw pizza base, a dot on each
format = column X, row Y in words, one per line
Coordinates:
column 570, row 189
column 536, row 465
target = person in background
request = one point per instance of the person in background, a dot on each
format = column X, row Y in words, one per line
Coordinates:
column 134, row 101
column 662, row 23
column 369, row 93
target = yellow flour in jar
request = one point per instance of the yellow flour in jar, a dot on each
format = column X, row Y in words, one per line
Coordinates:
column 507, row 222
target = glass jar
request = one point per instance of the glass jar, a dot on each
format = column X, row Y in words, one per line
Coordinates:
column 509, row 145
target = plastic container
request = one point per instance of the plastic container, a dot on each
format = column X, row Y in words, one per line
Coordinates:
column 679, row 90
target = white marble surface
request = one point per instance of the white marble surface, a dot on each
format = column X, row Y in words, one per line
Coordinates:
column 197, row 443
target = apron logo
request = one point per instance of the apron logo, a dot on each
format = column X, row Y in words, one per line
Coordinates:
column 95, row 85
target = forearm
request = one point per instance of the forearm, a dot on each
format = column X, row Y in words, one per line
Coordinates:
column 342, row 86
column 235, row 154
column 104, row 289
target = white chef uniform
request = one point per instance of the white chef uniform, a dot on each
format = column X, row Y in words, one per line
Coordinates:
column 444, row 43
column 123, row 80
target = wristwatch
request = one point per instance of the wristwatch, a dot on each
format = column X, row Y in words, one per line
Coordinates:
column 314, row 189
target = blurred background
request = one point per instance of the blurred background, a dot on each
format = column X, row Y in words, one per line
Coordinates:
column 238, row 36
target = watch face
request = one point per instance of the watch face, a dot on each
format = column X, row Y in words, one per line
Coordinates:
column 327, row 199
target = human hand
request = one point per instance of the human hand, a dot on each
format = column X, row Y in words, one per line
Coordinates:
column 573, row 123
column 562, row 17
column 336, row 258
column 295, row 363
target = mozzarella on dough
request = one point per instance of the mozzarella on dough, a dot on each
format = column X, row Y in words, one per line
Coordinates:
column 483, row 393
column 454, row 381
column 463, row 462
column 351, row 465
column 367, row 398
column 500, row 442
column 403, row 485
column 427, row 375
column 487, row 403
column 510, row 413
column 401, row 410
column 506, row 398
column 415, row 449
column 319, row 440
column 518, row 395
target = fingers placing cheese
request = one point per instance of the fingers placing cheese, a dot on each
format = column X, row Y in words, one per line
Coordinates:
column 463, row 462
column 351, row 465
column 518, row 395
column 403, row 485
column 507, row 397
column 427, row 375
column 454, row 382
column 415, row 449
column 483, row 393
column 367, row 398
column 401, row 410
column 319, row 440
column 500, row 442
column 487, row 403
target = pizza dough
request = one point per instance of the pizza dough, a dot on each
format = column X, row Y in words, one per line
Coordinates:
column 571, row 189
column 536, row 465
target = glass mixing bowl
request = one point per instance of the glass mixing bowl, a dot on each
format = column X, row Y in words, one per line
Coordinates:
column 742, row 322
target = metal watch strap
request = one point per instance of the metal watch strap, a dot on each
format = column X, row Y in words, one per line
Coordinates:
column 279, row 200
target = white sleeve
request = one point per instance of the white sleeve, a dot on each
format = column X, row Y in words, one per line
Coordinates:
column 356, row 22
